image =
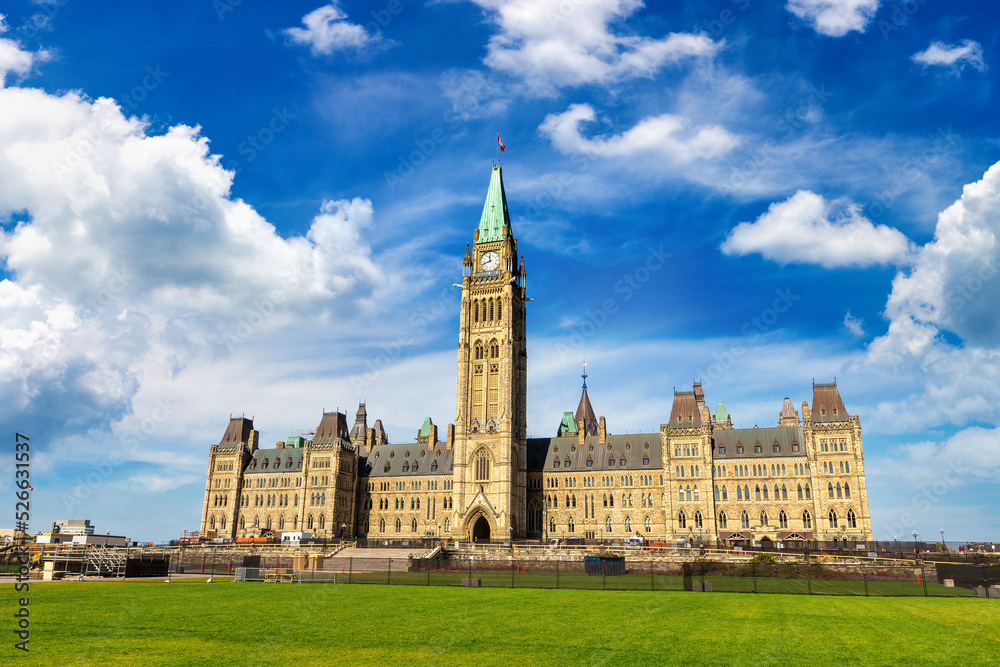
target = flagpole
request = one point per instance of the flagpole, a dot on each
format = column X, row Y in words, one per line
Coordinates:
column 498, row 146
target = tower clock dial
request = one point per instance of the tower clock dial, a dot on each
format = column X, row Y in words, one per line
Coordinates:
column 490, row 261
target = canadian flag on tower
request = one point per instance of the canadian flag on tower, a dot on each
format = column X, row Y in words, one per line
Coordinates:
column 502, row 147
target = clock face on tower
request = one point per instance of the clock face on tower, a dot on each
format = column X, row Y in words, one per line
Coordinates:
column 490, row 261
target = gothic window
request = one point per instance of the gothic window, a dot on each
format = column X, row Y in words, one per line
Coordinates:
column 281, row 523
column 413, row 526
column 696, row 493
column 782, row 519
column 475, row 308
column 552, row 525
column 840, row 492
column 322, row 522
column 243, row 523
column 852, row 521
column 570, row 525
column 739, row 493
column 499, row 309
column 829, row 489
column 447, row 525
column 725, row 493
column 847, row 490
column 628, row 524
column 807, row 490
column 211, row 523
column 681, row 520
column 399, row 525
column 744, row 520
column 776, row 492
column 722, row 520
column 698, row 523
column 765, row 491
column 482, row 466
column 649, row 525
column 784, row 492
column 491, row 310
column 763, row 518
column 718, row 495
column 832, row 518
column 807, row 521
column 758, row 492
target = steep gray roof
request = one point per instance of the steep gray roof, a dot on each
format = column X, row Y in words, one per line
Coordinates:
column 417, row 458
column 784, row 436
column 282, row 457
column 633, row 448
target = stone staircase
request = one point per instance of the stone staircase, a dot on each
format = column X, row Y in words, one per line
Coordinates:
column 373, row 560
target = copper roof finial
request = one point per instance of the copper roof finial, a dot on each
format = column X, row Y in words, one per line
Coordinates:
column 584, row 376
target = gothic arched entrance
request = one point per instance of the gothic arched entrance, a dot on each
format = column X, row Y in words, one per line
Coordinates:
column 481, row 530
column 766, row 543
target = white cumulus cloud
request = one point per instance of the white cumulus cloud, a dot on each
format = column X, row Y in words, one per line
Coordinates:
column 327, row 31
column 809, row 229
column 673, row 138
column 552, row 43
column 955, row 56
column 835, row 18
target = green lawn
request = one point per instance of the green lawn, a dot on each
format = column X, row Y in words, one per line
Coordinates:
column 222, row 623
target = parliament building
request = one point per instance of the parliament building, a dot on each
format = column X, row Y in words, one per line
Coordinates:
column 697, row 480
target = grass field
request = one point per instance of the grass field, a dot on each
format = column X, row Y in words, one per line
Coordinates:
column 193, row 623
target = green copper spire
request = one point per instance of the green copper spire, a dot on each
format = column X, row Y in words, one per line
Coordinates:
column 495, row 216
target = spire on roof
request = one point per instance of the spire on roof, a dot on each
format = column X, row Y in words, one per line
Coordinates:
column 495, row 217
column 585, row 410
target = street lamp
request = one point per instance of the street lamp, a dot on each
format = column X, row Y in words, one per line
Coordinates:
column 915, row 542
column 942, row 540
column 343, row 529
column 896, row 540
column 439, row 531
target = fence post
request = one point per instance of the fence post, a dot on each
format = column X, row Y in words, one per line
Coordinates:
column 388, row 572
column 923, row 575
column 350, row 569
column 809, row 583
column 864, row 573
column 652, row 578
column 512, row 566
column 753, row 571
column 557, row 574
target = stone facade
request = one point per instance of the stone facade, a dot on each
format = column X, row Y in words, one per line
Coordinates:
column 697, row 479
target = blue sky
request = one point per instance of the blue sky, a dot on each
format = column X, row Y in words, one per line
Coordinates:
column 214, row 208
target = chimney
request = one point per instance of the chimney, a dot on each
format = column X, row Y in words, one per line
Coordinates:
column 451, row 436
column 369, row 441
column 582, row 435
column 602, row 431
column 432, row 438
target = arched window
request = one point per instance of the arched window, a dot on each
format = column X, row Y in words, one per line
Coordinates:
column 628, row 524
column 852, row 521
column 718, row 494
column 211, row 523
column 698, row 523
column 696, row 493
column 722, row 520
column 482, row 466
column 758, row 493
column 776, row 496
column 832, row 517
column 399, row 526
column 746, row 492
column 782, row 519
column 681, row 494
column 829, row 488
column 499, row 309
column 739, row 493
column 447, row 525
column 322, row 522
column 763, row 518
column 807, row 492
column 681, row 520
column 765, row 491
column 847, row 490
column 607, row 525
column 491, row 310
column 309, row 522
column 744, row 520
column 688, row 490
column 648, row 524
column 784, row 493
column 243, row 523
column 725, row 493
column 807, row 521
column 840, row 491
column 413, row 526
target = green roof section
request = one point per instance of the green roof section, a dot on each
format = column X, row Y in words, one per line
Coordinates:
column 495, row 216
column 425, row 430
column 720, row 413
column 568, row 425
